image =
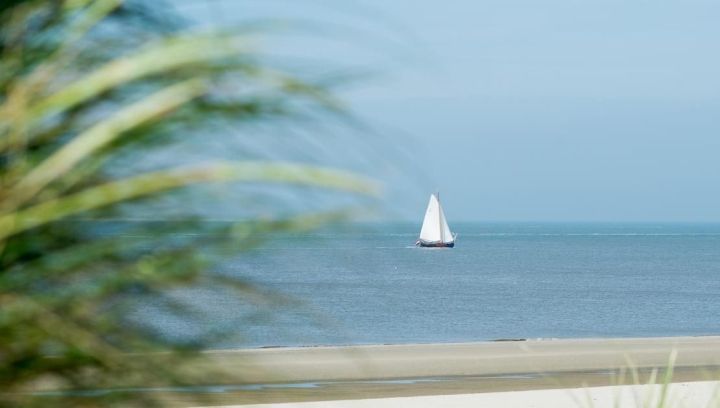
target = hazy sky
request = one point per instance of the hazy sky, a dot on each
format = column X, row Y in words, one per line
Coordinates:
column 535, row 110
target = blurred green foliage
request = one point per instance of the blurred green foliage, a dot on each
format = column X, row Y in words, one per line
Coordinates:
column 81, row 83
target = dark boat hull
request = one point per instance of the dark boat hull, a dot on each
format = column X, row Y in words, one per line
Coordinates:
column 435, row 244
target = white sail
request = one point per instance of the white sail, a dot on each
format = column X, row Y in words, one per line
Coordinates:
column 435, row 227
column 446, row 235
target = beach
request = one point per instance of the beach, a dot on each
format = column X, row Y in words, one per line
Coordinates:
column 691, row 394
column 467, row 371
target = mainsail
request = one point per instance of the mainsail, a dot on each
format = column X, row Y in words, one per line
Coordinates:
column 435, row 228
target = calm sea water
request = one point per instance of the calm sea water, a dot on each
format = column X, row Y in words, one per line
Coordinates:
column 371, row 285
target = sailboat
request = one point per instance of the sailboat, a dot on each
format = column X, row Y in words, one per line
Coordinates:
column 435, row 231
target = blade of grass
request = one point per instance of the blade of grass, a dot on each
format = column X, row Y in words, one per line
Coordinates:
column 165, row 56
column 619, row 382
column 635, row 375
column 28, row 87
column 95, row 12
column 714, row 400
column 155, row 182
column 588, row 396
column 648, row 400
column 667, row 378
column 103, row 133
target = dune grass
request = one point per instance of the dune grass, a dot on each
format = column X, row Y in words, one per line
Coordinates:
column 655, row 392
column 83, row 83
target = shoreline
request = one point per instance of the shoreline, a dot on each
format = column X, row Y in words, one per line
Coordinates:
column 497, row 340
column 429, row 372
column 334, row 373
column 298, row 364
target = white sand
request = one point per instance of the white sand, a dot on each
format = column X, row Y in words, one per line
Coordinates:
column 699, row 394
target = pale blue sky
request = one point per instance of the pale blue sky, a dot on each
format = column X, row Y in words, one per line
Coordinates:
column 528, row 109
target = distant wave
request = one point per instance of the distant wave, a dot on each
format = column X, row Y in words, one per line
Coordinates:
column 520, row 234
column 591, row 234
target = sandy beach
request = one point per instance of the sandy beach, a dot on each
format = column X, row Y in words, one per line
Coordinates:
column 466, row 359
column 690, row 394
column 473, row 370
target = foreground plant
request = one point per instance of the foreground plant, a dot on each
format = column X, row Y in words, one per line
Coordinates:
column 655, row 392
column 87, row 91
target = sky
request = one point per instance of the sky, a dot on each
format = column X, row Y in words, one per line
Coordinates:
column 527, row 110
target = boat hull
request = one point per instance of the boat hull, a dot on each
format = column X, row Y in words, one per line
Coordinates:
column 435, row 244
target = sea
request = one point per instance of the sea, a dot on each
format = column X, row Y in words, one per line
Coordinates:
column 369, row 284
